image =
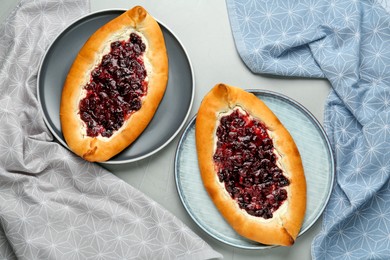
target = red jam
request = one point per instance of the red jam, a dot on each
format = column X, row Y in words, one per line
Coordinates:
column 115, row 89
column 246, row 164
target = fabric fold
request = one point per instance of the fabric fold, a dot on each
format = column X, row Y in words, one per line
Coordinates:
column 54, row 205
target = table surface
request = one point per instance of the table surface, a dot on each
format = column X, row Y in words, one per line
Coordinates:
column 203, row 28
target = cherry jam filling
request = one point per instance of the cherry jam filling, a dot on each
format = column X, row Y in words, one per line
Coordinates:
column 246, row 164
column 115, row 88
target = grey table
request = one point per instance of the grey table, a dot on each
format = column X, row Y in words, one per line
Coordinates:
column 203, row 28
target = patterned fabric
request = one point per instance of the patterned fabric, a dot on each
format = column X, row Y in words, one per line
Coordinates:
column 54, row 205
column 348, row 42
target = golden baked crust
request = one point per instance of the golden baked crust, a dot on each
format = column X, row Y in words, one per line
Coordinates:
column 101, row 149
column 284, row 226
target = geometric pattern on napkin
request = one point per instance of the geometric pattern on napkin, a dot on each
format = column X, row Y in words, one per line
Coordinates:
column 53, row 204
column 347, row 42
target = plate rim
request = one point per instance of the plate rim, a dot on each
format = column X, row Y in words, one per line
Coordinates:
column 39, row 87
column 328, row 147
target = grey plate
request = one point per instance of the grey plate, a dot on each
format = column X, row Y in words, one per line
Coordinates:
column 172, row 113
column 317, row 160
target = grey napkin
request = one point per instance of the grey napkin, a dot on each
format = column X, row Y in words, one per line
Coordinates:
column 54, row 205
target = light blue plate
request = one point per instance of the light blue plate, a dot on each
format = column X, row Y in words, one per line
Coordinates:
column 317, row 160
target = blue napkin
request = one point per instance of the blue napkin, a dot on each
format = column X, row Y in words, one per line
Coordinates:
column 348, row 42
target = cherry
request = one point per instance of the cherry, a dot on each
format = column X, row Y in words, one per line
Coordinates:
column 115, row 88
column 246, row 164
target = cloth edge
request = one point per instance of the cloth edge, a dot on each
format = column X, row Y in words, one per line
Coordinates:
column 235, row 28
column 11, row 13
